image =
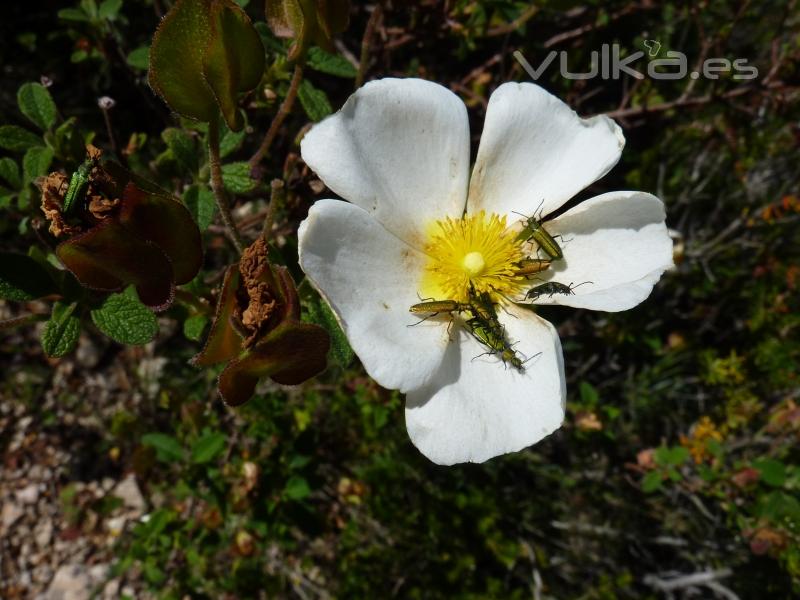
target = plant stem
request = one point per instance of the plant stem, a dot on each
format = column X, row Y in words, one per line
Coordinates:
column 193, row 301
column 218, row 188
column 366, row 43
column 283, row 112
column 20, row 321
column 275, row 200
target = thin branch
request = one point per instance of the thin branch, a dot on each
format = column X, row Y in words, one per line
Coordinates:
column 366, row 43
column 275, row 200
column 515, row 24
column 218, row 188
column 283, row 112
column 7, row 324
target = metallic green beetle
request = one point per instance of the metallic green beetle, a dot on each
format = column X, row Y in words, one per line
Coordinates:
column 78, row 186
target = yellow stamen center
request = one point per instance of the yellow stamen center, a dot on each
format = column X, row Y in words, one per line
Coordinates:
column 477, row 251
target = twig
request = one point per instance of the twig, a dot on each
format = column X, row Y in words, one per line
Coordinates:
column 366, row 43
column 685, row 581
column 515, row 24
column 283, row 112
column 19, row 321
column 663, row 106
column 276, row 198
column 218, row 188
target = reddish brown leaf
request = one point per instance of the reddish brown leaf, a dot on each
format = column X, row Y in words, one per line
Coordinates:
column 168, row 224
column 224, row 342
column 290, row 354
column 109, row 257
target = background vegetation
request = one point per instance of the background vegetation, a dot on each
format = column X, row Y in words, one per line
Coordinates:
column 679, row 455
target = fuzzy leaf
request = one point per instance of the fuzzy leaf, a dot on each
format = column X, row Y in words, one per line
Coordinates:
column 36, row 103
column 236, row 178
column 314, row 101
column 168, row 224
column 223, row 341
column 109, row 257
column 208, row 447
column 194, row 326
column 167, row 448
column 234, row 58
column 125, row 320
column 9, row 170
column 290, row 354
column 61, row 333
column 201, row 204
column 318, row 311
column 36, row 162
column 23, row 279
column 139, row 58
column 17, row 139
column 332, row 64
column 176, row 60
column 183, row 147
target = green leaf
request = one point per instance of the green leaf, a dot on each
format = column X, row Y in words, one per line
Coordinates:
column 194, row 326
column 773, row 472
column 36, row 103
column 589, row 395
column 23, row 279
column 332, row 64
column 230, row 141
column 315, row 102
column 61, row 333
column 36, row 162
column 17, row 139
column 297, row 488
column 236, row 178
column 318, row 311
column 678, row 455
column 652, row 482
column 109, row 9
column 72, row 14
column 9, row 170
column 125, row 320
column 176, row 60
column 167, row 448
column 234, row 59
column 183, row 147
column 139, row 58
column 208, row 447
column 200, row 202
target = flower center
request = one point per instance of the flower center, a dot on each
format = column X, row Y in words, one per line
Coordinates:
column 477, row 251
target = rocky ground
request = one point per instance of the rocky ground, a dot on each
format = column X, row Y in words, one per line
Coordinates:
column 64, row 498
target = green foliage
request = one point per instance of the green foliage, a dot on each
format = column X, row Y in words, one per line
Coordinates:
column 61, row 333
column 237, row 179
column 314, row 101
column 17, row 139
column 125, row 320
column 200, row 202
column 36, row 103
column 22, row 278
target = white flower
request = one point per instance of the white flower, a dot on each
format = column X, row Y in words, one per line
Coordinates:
column 417, row 226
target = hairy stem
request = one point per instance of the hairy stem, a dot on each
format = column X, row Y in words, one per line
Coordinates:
column 218, row 188
column 283, row 111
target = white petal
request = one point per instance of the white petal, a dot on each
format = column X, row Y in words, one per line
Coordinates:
column 370, row 279
column 478, row 408
column 399, row 148
column 536, row 152
column 618, row 242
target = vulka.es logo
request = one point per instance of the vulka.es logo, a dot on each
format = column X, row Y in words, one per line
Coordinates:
column 608, row 63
